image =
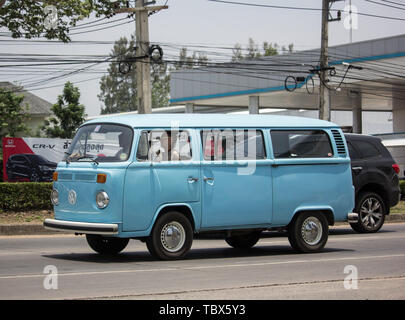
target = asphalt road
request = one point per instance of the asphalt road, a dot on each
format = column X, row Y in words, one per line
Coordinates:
column 212, row 270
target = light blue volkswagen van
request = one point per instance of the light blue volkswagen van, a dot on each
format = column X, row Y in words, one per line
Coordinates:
column 163, row 179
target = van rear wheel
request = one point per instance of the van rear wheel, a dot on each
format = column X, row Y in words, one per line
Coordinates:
column 106, row 245
column 308, row 232
column 244, row 241
column 171, row 237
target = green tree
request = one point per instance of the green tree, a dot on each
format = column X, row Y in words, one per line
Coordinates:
column 69, row 114
column 13, row 115
column 253, row 52
column 160, row 77
column 118, row 91
column 186, row 61
column 28, row 18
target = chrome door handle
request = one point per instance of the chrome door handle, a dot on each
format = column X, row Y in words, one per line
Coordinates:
column 357, row 168
column 208, row 179
column 192, row 180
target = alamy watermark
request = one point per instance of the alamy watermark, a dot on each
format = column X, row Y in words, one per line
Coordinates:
column 351, row 19
column 51, row 278
column 351, row 280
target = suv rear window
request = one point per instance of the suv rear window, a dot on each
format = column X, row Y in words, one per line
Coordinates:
column 301, row 144
column 367, row 149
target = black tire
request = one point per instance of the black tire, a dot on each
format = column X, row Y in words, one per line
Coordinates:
column 162, row 244
column 34, row 177
column 372, row 220
column 106, row 245
column 308, row 242
column 245, row 241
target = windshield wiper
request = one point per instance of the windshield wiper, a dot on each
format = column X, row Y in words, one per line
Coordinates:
column 88, row 157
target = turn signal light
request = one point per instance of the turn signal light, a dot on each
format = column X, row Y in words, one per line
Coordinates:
column 396, row 168
column 55, row 176
column 101, row 178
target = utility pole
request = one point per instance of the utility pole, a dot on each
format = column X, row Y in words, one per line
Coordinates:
column 144, row 92
column 324, row 98
column 324, row 95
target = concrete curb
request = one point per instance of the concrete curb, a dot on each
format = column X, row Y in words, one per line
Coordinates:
column 38, row 229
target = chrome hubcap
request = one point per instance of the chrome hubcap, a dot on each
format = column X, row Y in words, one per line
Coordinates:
column 371, row 213
column 173, row 236
column 311, row 231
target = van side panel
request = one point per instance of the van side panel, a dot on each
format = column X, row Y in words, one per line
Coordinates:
column 317, row 185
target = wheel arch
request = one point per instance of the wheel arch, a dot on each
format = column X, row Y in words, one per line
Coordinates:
column 183, row 208
column 328, row 212
column 378, row 189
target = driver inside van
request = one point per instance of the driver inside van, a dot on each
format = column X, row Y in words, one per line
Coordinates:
column 165, row 151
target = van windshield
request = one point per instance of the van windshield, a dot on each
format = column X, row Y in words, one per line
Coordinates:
column 101, row 143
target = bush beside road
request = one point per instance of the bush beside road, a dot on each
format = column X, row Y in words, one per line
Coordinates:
column 30, row 222
column 25, row 205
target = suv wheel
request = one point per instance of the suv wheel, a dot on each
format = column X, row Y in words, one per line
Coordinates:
column 34, row 177
column 371, row 209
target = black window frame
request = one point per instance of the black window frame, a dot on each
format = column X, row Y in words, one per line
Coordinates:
column 330, row 154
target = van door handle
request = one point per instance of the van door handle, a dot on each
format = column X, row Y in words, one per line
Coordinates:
column 357, row 168
column 192, row 179
column 209, row 180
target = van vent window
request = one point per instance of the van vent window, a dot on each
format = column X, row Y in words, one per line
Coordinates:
column 339, row 142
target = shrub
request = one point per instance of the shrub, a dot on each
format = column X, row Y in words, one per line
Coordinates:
column 23, row 196
column 402, row 185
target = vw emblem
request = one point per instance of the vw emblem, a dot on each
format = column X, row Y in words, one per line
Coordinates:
column 72, row 197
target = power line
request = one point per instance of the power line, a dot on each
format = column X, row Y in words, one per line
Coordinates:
column 303, row 9
column 385, row 5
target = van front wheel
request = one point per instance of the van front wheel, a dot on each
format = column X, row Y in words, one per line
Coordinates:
column 171, row 237
column 308, row 232
column 106, row 245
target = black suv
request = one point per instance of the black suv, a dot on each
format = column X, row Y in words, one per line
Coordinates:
column 29, row 166
column 375, row 179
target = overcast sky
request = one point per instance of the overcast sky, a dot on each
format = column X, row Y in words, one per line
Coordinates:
column 189, row 22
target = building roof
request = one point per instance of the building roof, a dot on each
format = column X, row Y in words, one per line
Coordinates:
column 212, row 121
column 37, row 105
column 231, row 84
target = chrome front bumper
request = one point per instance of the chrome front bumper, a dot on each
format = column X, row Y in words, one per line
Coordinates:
column 81, row 227
column 353, row 217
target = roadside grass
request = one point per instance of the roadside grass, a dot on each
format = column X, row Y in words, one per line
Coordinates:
column 399, row 208
column 37, row 217
column 29, row 217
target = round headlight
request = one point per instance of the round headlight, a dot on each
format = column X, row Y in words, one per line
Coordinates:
column 102, row 199
column 55, row 197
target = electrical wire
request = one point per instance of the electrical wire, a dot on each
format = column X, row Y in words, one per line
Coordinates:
column 303, row 9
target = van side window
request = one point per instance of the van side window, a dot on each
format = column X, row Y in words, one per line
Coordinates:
column 301, row 144
column 164, row 145
column 233, row 144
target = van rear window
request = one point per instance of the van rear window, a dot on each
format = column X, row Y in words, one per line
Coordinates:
column 301, row 144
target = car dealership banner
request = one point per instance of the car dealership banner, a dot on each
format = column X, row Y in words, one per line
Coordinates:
column 52, row 150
